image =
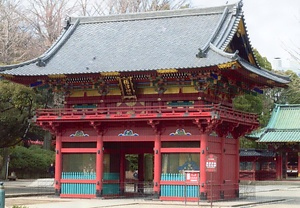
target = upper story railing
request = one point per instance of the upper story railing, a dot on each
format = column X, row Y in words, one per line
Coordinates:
column 146, row 112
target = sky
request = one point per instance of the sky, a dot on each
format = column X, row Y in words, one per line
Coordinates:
column 273, row 26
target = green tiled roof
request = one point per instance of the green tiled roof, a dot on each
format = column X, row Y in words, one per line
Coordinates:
column 285, row 117
column 284, row 125
column 255, row 134
column 288, row 135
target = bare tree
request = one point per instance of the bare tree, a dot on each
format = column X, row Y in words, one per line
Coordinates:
column 84, row 7
column 105, row 7
column 46, row 18
column 294, row 51
column 15, row 38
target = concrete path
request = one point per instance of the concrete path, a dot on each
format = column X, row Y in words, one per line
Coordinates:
column 264, row 196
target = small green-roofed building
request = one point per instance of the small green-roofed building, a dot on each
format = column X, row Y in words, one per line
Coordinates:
column 282, row 135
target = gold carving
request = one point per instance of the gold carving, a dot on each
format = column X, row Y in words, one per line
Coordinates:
column 7, row 75
column 232, row 65
column 253, row 75
column 110, row 74
column 127, row 89
column 57, row 76
column 166, row 71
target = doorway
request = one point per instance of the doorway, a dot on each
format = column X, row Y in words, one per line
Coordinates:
column 132, row 165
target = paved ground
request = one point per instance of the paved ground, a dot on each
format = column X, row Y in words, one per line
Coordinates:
column 265, row 195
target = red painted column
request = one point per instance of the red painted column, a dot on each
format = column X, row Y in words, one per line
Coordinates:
column 221, row 162
column 279, row 166
column 99, row 166
column 298, row 164
column 58, row 164
column 122, row 172
column 237, row 167
column 141, row 172
column 203, row 177
column 157, row 165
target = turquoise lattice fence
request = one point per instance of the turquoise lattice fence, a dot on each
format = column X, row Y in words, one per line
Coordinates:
column 78, row 188
column 78, row 175
column 177, row 190
column 111, row 188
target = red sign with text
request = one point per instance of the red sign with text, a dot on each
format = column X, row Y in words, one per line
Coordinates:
column 192, row 176
column 211, row 163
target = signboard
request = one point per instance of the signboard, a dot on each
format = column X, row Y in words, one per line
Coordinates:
column 211, row 163
column 192, row 176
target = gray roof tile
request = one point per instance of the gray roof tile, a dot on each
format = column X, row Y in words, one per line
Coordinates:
column 141, row 42
column 135, row 42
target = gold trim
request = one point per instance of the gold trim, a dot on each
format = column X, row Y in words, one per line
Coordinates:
column 108, row 74
column 251, row 58
column 253, row 75
column 7, row 75
column 166, row 71
column 228, row 65
column 241, row 28
column 270, row 82
column 54, row 76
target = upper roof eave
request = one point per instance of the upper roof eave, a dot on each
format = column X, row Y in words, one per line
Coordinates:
column 153, row 14
column 264, row 73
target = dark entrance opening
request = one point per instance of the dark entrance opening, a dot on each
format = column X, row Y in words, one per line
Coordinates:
column 129, row 169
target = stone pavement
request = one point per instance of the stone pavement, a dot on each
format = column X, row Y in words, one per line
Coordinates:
column 266, row 195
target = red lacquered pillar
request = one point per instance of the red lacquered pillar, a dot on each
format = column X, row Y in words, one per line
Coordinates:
column 157, row 165
column 237, row 167
column 279, row 166
column 99, row 166
column 203, row 177
column 58, row 164
column 221, row 162
column 122, row 172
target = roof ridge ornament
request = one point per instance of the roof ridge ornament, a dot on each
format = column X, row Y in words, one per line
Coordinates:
column 201, row 53
column 41, row 62
column 238, row 7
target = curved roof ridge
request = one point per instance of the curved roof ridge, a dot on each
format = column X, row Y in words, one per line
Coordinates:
column 233, row 26
column 273, row 118
column 263, row 72
column 42, row 60
column 12, row 66
column 217, row 29
column 152, row 14
column 288, row 105
column 223, row 53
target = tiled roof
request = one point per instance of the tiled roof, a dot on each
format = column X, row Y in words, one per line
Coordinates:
column 141, row 42
column 283, row 126
column 285, row 117
column 281, row 136
column 264, row 73
column 136, row 42
column 256, row 153
column 255, row 134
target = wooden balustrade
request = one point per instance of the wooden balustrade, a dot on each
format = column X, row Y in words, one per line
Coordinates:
column 146, row 112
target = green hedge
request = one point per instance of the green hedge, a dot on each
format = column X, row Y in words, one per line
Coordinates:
column 32, row 162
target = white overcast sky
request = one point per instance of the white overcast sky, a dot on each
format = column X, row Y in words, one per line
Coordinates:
column 273, row 25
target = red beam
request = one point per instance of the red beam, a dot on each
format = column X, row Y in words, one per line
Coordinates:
column 78, row 150
column 78, row 181
column 181, row 150
column 78, row 196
